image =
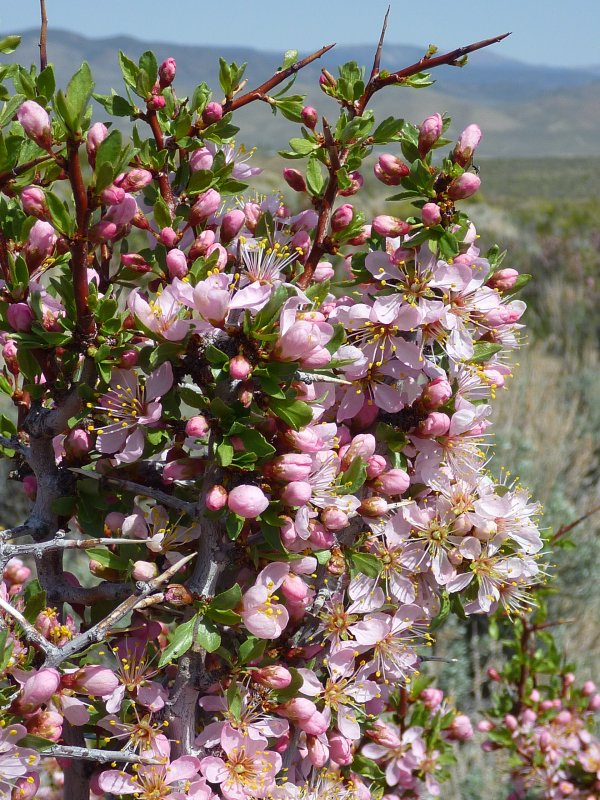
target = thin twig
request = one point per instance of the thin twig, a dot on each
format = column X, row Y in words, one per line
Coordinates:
column 95, row 754
column 377, row 59
column 43, row 36
column 19, row 550
column 564, row 529
column 277, row 78
column 30, row 632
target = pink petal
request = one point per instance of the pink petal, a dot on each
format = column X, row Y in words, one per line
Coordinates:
column 214, row 769
column 182, row 769
column 115, row 782
column 159, row 382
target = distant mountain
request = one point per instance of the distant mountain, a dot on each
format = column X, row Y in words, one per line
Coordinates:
column 523, row 109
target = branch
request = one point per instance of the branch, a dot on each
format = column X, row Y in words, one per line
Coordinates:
column 318, row 249
column 14, row 444
column 31, row 633
column 566, row 528
column 94, row 754
column 377, row 59
column 79, row 245
column 277, row 78
column 43, row 36
column 39, row 549
column 166, row 192
column 378, row 82
column 6, row 177
column 98, row 632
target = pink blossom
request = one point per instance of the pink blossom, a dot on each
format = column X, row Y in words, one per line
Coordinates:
column 262, row 615
column 150, row 782
column 248, row 769
column 247, row 501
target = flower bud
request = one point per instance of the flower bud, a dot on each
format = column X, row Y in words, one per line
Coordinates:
column 503, row 280
column 78, row 443
column 294, row 588
column 156, row 102
column 20, row 317
column 178, row 595
column 390, row 169
column 206, row 204
column 231, row 224
column 216, row 498
column 431, row 215
column 466, row 145
column 394, row 481
column 166, row 73
column 40, row 243
column 357, row 182
column 431, row 698
column 485, row 726
column 96, row 135
column 201, row 159
column 92, row 680
column 201, row 244
column 309, row 117
column 340, row 748
column 16, row 572
column 318, row 752
column 136, row 262
column 436, row 393
column 38, row 688
column 460, row 729
column 373, row 507
column 239, row 368
column 323, row 272
column 376, row 464
column 34, row 202
column 588, row 688
column 213, row 112
column 294, row 179
column 296, row 493
column 36, row 123
column 290, row 467
column 128, row 359
column 197, row 427
column 334, row 518
column 177, row 263
column 385, row 225
column 113, row 522
column 134, row 180
column 511, row 722
column 594, row 704
column 112, row 195
column 273, row 676
column 168, row 237
column 104, row 231
column 247, row 501
column 464, row 186
column 435, row 424
column 342, row 217
column 430, row 131
column 144, row 571
column 361, row 238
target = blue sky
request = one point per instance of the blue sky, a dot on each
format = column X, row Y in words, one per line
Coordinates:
column 544, row 31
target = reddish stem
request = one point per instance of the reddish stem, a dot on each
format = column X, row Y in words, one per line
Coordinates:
column 79, row 244
column 166, row 192
column 43, row 36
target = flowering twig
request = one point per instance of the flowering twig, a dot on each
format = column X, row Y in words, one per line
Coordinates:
column 31, row 633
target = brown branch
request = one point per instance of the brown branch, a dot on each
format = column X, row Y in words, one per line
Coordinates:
column 79, row 245
column 325, row 209
column 9, row 175
column 377, row 59
column 277, row 78
column 151, row 117
column 564, row 529
column 43, row 36
column 378, row 82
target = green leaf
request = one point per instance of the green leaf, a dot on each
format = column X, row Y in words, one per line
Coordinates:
column 290, row 57
column 228, row 599
column 443, row 613
column 79, row 92
column 234, row 700
column 207, row 636
column 483, row 351
column 61, row 218
column 162, row 215
column 107, row 559
column 5, row 386
column 388, row 130
column 367, row 768
column 365, row 563
column 521, row 281
column 303, row 146
column 180, row 643
column 149, row 65
column 295, row 413
column 10, row 43
column 251, row 649
column 234, row 526
column 354, row 477
column 225, row 454
column 116, row 105
column 107, row 159
column 129, row 69
column 46, row 82
column 315, row 180
column 5, row 649
column 35, row 600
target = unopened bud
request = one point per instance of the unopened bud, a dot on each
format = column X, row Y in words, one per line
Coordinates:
column 386, row 225
column 273, row 676
column 357, row 182
column 430, row 131
column 503, row 280
column 342, row 217
column 294, row 179
column 166, row 72
column 466, row 145
column 464, row 186
column 309, row 117
column 178, row 595
column 177, row 263
column 144, row 571
column 431, row 215
column 212, row 113
column 239, row 368
column 216, row 498
column 36, row 123
column 231, row 224
column 34, row 202
column 206, row 204
column 373, row 507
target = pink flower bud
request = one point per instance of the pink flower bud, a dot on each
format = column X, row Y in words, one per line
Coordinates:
column 318, row 752
column 485, row 726
column 247, row 501
column 92, row 680
column 104, row 231
column 221, row 259
column 10, row 353
column 320, row 538
column 375, row 466
column 395, row 481
column 30, row 486
column 134, row 180
column 296, row 493
column 390, row 169
column 41, row 240
column 20, row 317
column 431, row 698
column 588, row 688
column 231, row 224
column 136, row 262
column 38, row 688
column 361, row 238
column 294, row 588
column 464, row 186
column 36, row 123
column 296, row 709
column 323, row 272
column 357, row 182
column 314, row 725
column 362, row 445
column 535, row 696
column 466, row 145
column 511, row 722
column 177, row 263
column 128, row 359
column 156, row 102
column 144, row 571
column 435, row 424
column 594, row 704
column 166, row 72
column 461, row 729
column 430, row 131
column 503, row 280
column 334, row 518
column 112, row 195
column 197, row 427
column 239, row 368
column 113, row 522
column 16, row 572
column 96, row 135
column 273, row 676
column 294, row 179
column 431, row 215
column 201, row 159
column 182, row 469
column 206, row 204
column 253, row 213
column 78, row 443
column 169, row 237
column 309, row 117
column 342, row 217
column 213, row 112
column 34, row 202
column 340, row 748
column 373, row 507
column 436, row 393
column 290, row 467
column 385, row 225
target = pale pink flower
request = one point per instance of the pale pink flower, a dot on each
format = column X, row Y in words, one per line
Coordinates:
column 248, row 769
column 162, row 315
column 15, row 762
column 392, row 639
column 262, row 615
column 152, row 781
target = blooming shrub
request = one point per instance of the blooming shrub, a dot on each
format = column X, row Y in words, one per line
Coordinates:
column 265, row 426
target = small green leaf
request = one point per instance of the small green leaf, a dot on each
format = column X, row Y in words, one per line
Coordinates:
column 129, row 69
column 295, row 413
column 162, row 215
column 290, row 57
column 61, row 218
column 315, row 180
column 251, row 649
column 354, row 477
column 483, row 351
column 79, row 92
column 10, row 43
column 180, row 643
column 234, row 526
column 303, row 146
column 365, row 563
column 228, row 599
column 207, row 636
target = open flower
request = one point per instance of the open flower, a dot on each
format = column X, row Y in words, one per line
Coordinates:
column 15, row 762
column 152, row 782
column 263, row 617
